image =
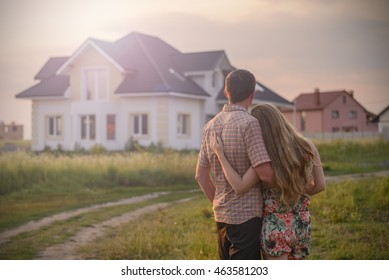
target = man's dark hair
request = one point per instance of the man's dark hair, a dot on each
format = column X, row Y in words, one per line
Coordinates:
column 239, row 85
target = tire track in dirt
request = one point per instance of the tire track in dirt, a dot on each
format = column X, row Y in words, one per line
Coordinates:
column 358, row 176
column 67, row 250
column 34, row 225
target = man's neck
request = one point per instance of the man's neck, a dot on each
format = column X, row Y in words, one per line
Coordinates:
column 243, row 104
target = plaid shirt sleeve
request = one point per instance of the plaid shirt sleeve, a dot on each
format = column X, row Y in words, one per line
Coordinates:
column 255, row 145
column 203, row 158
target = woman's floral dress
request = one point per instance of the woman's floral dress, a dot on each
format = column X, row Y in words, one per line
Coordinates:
column 285, row 231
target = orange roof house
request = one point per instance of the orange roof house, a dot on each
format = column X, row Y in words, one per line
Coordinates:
column 330, row 111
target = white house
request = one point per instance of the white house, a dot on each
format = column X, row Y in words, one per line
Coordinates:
column 137, row 87
column 383, row 123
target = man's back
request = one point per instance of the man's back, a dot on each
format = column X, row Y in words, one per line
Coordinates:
column 243, row 148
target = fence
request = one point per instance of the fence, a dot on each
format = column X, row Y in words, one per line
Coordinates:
column 342, row 135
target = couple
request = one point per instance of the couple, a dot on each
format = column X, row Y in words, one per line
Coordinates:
column 263, row 174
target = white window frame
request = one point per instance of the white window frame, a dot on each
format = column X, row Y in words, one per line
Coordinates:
column 183, row 125
column 88, row 127
column 57, row 122
column 101, row 93
column 142, row 120
column 108, row 128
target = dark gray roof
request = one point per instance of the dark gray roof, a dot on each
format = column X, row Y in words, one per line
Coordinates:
column 52, row 65
column 267, row 95
column 148, row 65
column 54, row 86
column 199, row 61
column 151, row 67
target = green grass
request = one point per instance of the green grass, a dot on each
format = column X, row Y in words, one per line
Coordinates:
column 24, row 171
column 347, row 156
column 350, row 219
column 28, row 245
column 33, row 205
column 186, row 231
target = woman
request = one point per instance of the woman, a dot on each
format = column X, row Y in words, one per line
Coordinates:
column 298, row 173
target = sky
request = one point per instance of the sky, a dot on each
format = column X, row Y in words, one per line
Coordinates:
column 292, row 47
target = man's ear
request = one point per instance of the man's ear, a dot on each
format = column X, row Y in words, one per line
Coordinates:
column 225, row 94
column 252, row 95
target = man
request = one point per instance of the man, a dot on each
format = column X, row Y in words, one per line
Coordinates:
column 238, row 217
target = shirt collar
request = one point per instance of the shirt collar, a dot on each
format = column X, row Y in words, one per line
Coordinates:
column 233, row 107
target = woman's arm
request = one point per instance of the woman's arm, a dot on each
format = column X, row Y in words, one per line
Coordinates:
column 317, row 172
column 238, row 183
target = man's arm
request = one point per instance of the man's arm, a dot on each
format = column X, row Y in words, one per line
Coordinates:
column 204, row 179
column 257, row 153
column 265, row 172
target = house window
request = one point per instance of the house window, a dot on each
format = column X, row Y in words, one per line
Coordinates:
column 353, row 115
column 344, row 99
column 335, row 129
column 183, row 124
column 140, row 125
column 111, row 127
column 88, row 127
column 335, row 114
column 54, row 126
column 96, row 84
column 303, row 116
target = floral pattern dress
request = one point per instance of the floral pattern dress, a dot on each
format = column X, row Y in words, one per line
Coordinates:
column 285, row 231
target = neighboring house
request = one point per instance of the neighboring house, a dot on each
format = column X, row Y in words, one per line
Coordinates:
column 383, row 123
column 334, row 111
column 11, row 131
column 137, row 88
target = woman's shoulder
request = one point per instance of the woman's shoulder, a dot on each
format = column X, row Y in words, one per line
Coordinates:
column 309, row 141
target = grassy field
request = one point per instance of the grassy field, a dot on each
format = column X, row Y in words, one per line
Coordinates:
column 350, row 219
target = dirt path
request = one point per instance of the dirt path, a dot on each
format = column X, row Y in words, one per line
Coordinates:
column 383, row 173
column 67, row 250
column 34, row 225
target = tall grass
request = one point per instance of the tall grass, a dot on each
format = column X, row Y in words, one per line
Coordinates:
column 347, row 156
column 21, row 171
column 36, row 185
column 186, row 231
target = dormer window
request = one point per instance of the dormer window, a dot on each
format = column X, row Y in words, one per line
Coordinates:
column 95, row 84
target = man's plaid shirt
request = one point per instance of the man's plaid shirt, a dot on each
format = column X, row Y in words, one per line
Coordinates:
column 243, row 147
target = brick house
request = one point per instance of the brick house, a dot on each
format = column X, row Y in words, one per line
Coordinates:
column 331, row 111
column 11, row 131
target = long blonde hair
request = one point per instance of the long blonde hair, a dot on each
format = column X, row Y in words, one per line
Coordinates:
column 289, row 152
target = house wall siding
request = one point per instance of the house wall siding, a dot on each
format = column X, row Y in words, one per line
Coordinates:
column 41, row 110
column 91, row 58
column 34, row 126
column 383, row 125
column 344, row 122
column 162, row 121
column 352, row 117
column 193, row 107
column 313, row 120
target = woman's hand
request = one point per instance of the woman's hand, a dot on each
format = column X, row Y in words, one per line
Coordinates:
column 217, row 144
